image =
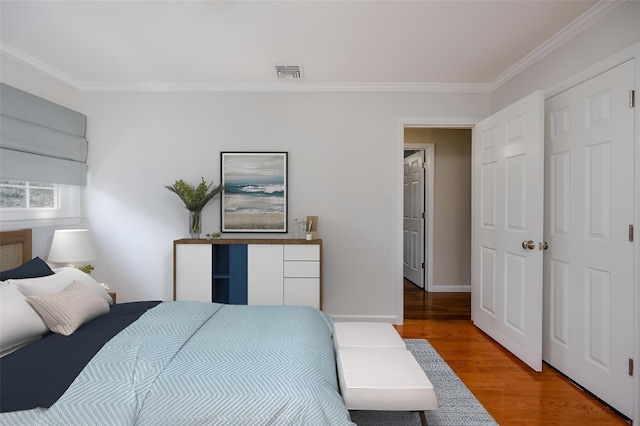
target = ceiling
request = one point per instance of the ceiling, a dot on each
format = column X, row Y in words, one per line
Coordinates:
column 110, row 45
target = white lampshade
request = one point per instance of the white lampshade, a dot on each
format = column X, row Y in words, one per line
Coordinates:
column 71, row 246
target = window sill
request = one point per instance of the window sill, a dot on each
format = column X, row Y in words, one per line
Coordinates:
column 35, row 223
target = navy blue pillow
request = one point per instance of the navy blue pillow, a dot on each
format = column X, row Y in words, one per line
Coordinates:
column 34, row 268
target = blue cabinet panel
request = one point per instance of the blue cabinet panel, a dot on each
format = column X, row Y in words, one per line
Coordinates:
column 238, row 274
column 220, row 282
column 230, row 274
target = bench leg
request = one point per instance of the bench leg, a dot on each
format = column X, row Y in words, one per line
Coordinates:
column 423, row 419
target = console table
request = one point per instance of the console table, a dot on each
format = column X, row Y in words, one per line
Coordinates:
column 248, row 271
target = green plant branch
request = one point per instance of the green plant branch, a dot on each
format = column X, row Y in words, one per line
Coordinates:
column 195, row 198
column 87, row 269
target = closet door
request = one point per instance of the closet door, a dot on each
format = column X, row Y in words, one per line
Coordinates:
column 588, row 283
column 507, row 213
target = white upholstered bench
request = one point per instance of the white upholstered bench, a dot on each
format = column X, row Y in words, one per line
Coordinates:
column 366, row 335
column 377, row 372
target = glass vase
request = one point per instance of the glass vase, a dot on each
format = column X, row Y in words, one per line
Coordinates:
column 195, row 221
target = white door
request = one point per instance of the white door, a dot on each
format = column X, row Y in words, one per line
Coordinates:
column 588, row 279
column 507, row 212
column 413, row 228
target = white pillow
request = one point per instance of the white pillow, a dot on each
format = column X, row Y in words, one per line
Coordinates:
column 57, row 282
column 67, row 310
column 19, row 322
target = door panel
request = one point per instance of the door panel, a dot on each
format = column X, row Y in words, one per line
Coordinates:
column 588, row 330
column 413, row 223
column 507, row 197
column 488, row 280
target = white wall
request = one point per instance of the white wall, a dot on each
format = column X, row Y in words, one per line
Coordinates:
column 342, row 152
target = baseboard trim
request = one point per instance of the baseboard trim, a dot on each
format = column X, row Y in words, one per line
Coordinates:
column 366, row 318
column 451, row 288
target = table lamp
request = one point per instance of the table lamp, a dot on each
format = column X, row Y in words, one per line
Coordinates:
column 72, row 246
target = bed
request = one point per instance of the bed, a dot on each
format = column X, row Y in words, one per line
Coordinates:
column 169, row 363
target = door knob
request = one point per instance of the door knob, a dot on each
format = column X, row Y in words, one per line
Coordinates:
column 543, row 245
column 528, row 245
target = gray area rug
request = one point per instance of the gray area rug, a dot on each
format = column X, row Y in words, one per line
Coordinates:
column 456, row 404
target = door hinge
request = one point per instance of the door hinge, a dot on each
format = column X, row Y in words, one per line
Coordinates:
column 422, row 265
column 423, row 215
column 630, row 366
column 630, row 233
column 632, row 98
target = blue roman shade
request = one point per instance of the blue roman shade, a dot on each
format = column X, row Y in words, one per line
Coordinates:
column 40, row 141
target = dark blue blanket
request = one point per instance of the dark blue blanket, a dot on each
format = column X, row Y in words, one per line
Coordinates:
column 38, row 374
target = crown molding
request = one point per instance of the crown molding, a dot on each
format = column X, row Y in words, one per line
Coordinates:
column 581, row 23
column 39, row 66
column 287, row 87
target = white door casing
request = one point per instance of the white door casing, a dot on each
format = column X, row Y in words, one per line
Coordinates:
column 588, row 278
column 413, row 220
column 429, row 172
column 396, row 230
column 507, row 211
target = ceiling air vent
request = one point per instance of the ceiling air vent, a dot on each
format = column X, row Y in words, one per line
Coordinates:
column 290, row 72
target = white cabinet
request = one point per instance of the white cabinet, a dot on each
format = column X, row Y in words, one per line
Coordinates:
column 193, row 270
column 265, row 271
column 302, row 275
column 254, row 272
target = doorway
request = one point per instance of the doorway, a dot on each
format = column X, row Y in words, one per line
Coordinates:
column 447, row 211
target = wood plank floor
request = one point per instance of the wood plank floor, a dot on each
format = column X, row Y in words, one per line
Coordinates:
column 512, row 392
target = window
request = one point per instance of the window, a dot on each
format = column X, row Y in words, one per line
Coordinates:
column 38, row 203
column 28, row 195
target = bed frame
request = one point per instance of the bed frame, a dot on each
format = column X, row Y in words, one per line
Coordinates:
column 15, row 248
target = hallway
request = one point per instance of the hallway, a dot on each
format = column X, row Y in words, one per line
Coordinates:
column 419, row 304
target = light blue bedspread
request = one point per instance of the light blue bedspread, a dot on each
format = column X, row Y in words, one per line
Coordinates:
column 192, row 363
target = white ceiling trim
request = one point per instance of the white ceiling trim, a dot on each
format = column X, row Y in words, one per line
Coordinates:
column 581, row 23
column 37, row 65
column 599, row 10
column 283, row 86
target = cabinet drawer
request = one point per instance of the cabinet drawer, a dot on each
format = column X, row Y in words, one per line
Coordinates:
column 302, row 291
column 301, row 252
column 299, row 268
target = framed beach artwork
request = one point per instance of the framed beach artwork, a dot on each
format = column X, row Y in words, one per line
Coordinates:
column 254, row 198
